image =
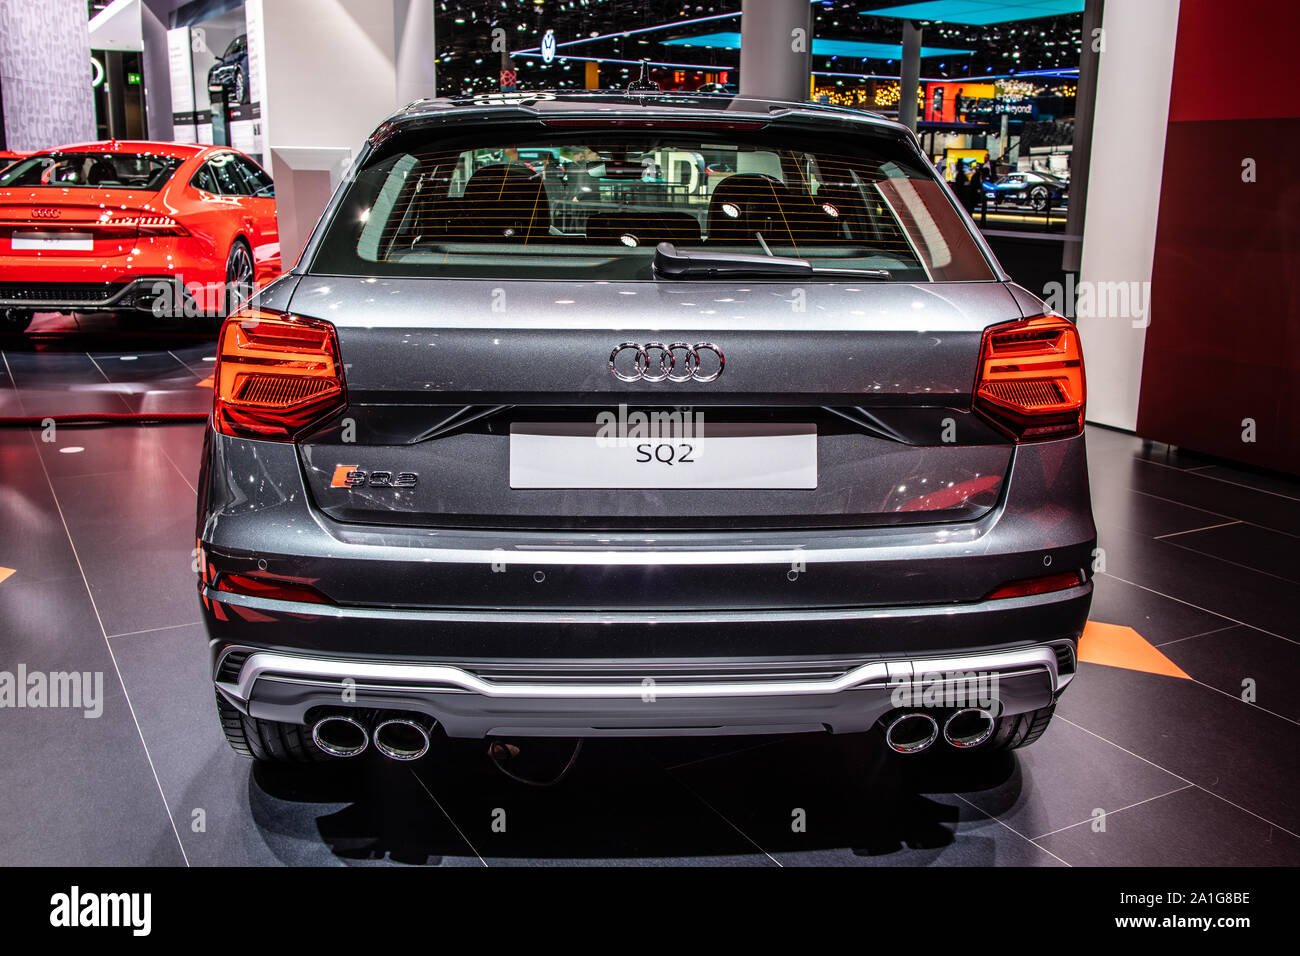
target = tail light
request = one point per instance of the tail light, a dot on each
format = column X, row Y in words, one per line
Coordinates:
column 277, row 589
column 1043, row 585
column 1031, row 381
column 146, row 224
column 276, row 375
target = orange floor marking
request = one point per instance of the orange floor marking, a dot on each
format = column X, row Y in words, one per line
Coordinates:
column 5, row 572
column 1117, row 646
column 206, row 383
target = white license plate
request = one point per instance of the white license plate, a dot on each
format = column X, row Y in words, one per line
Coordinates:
column 741, row 455
column 82, row 242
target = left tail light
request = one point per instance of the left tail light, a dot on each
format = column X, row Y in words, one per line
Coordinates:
column 276, row 375
column 1031, row 381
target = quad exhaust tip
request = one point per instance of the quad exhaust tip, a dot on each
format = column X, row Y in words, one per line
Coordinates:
column 969, row 727
column 911, row 732
column 404, row 736
column 340, row 735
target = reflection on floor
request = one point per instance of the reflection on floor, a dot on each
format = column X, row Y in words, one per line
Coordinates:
column 105, row 365
column 1144, row 764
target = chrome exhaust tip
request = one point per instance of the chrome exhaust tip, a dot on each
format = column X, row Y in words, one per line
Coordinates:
column 911, row 732
column 969, row 727
column 340, row 735
column 404, row 736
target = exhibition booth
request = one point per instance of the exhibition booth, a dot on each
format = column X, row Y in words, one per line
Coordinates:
column 319, row 319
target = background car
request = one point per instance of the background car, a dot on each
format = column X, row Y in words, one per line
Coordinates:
column 1029, row 188
column 112, row 226
column 230, row 72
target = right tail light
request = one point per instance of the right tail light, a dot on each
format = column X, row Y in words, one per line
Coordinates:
column 1031, row 382
column 276, row 375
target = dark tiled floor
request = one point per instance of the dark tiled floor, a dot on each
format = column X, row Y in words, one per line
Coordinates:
column 102, row 364
column 1137, row 769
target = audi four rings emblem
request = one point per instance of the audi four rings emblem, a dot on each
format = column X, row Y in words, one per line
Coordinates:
column 657, row 361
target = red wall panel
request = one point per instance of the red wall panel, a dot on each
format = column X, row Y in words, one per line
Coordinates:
column 1224, row 340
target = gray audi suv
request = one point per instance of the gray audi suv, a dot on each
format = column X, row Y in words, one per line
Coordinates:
column 613, row 446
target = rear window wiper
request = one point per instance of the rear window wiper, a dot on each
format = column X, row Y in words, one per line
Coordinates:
column 672, row 263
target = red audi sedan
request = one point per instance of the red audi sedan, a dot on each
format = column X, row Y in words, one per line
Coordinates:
column 173, row 229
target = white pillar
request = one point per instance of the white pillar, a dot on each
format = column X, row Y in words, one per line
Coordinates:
column 775, row 49
column 1126, row 164
column 416, row 66
column 910, row 77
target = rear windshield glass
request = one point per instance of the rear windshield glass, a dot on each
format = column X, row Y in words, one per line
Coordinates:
column 146, row 171
column 595, row 204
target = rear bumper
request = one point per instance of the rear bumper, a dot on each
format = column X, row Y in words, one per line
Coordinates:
column 114, row 283
column 1027, row 644
column 139, row 293
column 665, row 698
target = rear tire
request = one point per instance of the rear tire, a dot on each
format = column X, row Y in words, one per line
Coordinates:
column 241, row 277
column 267, row 741
column 15, row 320
column 1019, row 730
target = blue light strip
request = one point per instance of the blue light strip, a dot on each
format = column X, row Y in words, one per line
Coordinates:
column 854, row 49
column 979, row 13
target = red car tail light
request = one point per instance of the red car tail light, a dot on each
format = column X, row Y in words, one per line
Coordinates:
column 147, row 224
column 1031, row 381
column 1050, row 582
column 276, row 375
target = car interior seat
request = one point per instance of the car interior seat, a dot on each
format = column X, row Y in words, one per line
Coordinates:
column 501, row 201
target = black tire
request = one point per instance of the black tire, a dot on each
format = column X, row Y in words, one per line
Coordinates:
column 15, row 320
column 1038, row 198
column 1019, row 730
column 239, row 285
column 267, row 741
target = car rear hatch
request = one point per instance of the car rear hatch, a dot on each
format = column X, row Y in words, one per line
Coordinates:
column 852, row 412
column 45, row 224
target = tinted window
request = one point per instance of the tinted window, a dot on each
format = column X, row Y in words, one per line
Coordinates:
column 594, row 204
column 143, row 171
column 230, row 181
column 204, row 180
column 256, row 180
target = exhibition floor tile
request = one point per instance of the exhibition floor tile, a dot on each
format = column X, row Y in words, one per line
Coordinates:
column 101, row 365
column 96, row 539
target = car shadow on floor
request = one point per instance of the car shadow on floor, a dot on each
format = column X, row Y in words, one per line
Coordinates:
column 631, row 800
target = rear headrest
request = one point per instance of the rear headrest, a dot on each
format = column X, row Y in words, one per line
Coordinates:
column 645, row 230
column 749, row 203
column 100, row 170
column 502, row 200
column 745, row 203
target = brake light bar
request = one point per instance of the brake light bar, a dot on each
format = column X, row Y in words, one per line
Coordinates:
column 147, row 224
column 1031, row 382
column 276, row 375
